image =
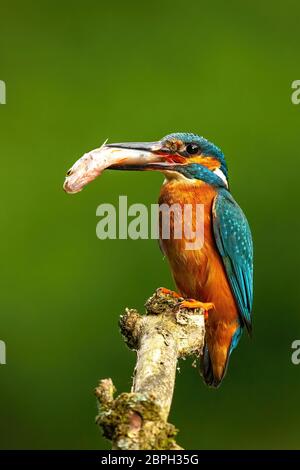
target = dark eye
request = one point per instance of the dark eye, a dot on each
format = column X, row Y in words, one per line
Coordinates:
column 192, row 149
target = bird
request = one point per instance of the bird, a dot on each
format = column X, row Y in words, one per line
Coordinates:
column 218, row 275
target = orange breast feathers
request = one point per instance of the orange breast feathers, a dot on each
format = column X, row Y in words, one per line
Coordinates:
column 198, row 273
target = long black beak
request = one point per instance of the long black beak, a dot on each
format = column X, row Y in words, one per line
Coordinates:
column 143, row 146
column 142, row 156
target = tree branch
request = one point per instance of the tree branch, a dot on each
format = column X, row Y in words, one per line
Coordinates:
column 138, row 420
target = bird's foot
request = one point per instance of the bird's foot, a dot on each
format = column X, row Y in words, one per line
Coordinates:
column 172, row 293
column 188, row 304
column 196, row 304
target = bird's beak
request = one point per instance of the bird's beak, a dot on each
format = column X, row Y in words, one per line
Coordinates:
column 121, row 156
column 145, row 156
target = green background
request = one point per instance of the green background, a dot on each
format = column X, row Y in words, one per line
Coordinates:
column 77, row 73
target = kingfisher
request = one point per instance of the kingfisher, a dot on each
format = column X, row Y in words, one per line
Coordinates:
column 218, row 275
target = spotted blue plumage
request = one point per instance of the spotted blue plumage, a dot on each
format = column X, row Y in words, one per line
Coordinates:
column 234, row 242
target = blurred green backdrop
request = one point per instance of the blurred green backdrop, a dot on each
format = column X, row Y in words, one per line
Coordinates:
column 77, row 73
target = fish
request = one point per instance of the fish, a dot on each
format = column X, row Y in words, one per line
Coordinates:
column 93, row 163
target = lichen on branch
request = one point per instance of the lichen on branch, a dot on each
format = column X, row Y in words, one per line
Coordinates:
column 138, row 420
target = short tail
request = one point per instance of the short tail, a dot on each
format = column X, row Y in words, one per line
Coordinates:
column 211, row 377
column 206, row 370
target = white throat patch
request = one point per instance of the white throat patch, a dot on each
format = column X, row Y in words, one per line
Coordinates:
column 174, row 175
column 221, row 175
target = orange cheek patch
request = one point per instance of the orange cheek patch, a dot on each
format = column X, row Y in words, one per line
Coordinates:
column 210, row 162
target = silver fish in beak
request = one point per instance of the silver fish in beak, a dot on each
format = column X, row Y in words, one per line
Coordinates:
column 122, row 156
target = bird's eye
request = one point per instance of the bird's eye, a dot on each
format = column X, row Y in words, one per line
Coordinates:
column 192, row 149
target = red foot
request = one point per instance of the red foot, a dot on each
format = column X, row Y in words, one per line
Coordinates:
column 172, row 293
column 193, row 304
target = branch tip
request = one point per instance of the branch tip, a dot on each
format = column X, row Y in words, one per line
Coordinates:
column 105, row 392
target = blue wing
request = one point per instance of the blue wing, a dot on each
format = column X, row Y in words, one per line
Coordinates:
column 233, row 238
